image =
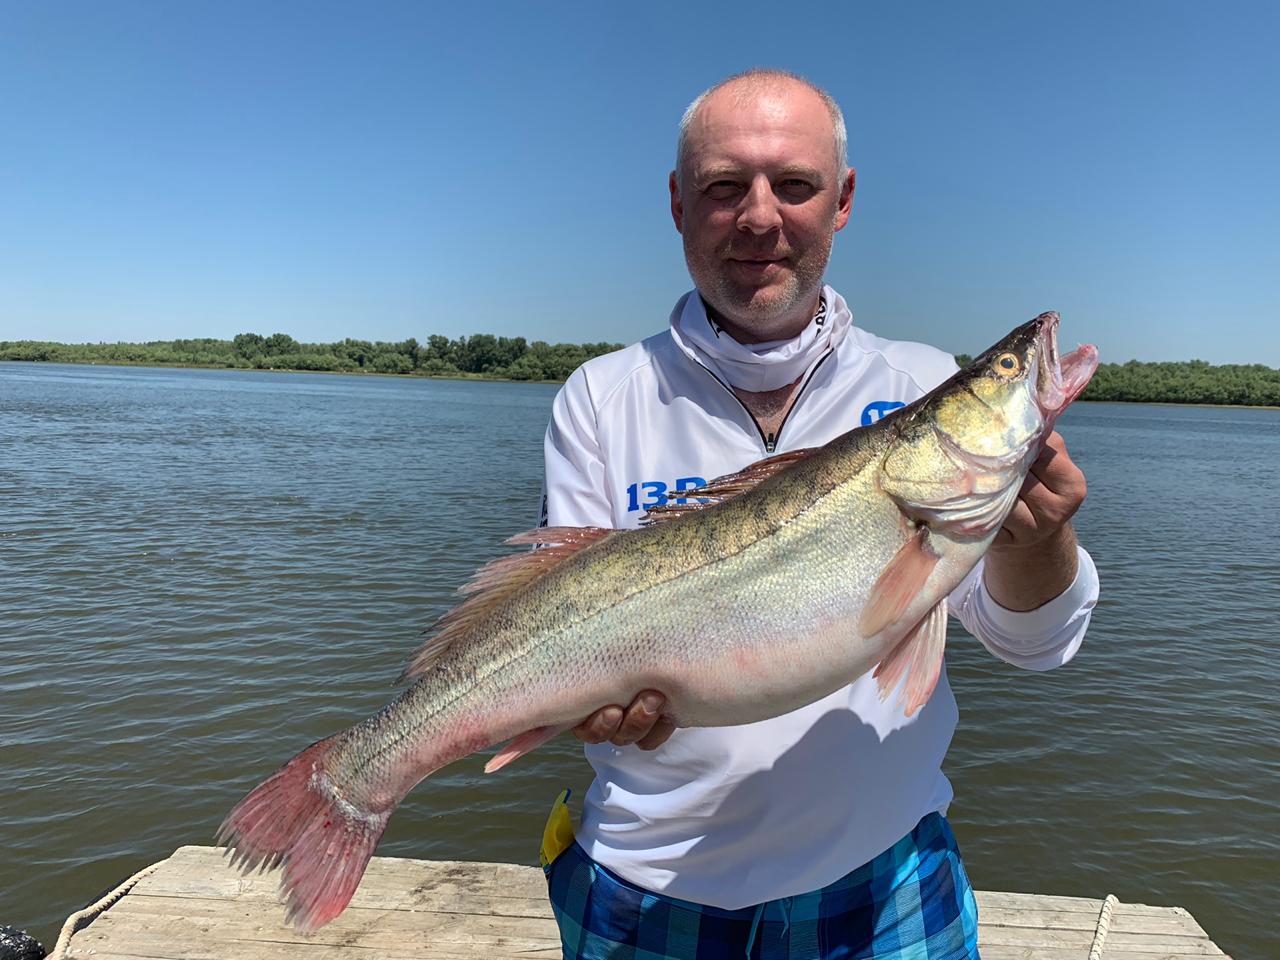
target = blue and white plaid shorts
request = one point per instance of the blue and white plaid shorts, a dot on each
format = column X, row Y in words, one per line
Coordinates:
column 913, row 902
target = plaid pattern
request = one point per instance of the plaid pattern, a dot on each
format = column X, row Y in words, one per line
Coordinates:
column 913, row 902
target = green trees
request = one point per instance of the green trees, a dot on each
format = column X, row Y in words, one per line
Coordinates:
column 1189, row 381
column 1185, row 381
column 246, row 345
column 480, row 355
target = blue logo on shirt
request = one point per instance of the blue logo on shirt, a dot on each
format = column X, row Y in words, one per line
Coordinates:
column 651, row 493
column 876, row 409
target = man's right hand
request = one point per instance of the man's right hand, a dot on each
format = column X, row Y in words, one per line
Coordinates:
column 642, row 723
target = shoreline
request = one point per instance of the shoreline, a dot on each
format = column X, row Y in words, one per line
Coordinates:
column 460, row 375
column 487, row 378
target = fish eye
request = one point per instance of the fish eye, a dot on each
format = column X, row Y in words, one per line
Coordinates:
column 1007, row 365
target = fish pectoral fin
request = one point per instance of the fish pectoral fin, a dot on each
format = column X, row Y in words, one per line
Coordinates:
column 526, row 742
column 723, row 488
column 898, row 584
column 918, row 657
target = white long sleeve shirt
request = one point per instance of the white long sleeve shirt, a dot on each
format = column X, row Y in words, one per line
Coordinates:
column 734, row 816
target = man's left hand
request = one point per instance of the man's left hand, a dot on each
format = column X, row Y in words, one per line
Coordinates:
column 1033, row 558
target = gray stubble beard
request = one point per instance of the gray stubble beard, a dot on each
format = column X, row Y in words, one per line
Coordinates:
column 759, row 319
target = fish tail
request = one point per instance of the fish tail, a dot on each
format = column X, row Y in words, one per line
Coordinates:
column 298, row 817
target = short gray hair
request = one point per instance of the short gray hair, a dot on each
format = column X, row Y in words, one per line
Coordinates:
column 758, row 78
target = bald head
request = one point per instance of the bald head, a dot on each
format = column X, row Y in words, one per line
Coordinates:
column 751, row 86
column 760, row 188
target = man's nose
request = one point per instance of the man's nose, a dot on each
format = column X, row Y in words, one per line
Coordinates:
column 759, row 213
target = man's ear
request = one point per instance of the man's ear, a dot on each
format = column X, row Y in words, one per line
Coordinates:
column 846, row 199
column 677, row 208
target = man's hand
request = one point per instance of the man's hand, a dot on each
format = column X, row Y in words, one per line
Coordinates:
column 642, row 723
column 1033, row 558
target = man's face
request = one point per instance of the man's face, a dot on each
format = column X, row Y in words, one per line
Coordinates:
column 761, row 200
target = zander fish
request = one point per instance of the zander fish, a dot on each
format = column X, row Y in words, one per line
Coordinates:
column 788, row 581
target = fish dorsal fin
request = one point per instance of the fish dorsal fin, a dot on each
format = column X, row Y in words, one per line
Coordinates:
column 497, row 581
column 724, row 488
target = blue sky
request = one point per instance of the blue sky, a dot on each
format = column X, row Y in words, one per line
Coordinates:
column 386, row 170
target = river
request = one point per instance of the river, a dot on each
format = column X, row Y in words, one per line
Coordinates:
column 202, row 571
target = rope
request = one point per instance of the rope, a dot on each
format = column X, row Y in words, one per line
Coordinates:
column 1104, row 926
column 73, row 923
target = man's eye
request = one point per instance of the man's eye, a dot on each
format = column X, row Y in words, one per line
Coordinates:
column 793, row 186
column 722, row 189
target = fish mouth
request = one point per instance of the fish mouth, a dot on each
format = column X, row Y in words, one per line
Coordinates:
column 1060, row 380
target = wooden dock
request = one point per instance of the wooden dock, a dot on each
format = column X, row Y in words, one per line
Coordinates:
column 194, row 907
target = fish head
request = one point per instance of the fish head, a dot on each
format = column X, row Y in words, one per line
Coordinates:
column 962, row 451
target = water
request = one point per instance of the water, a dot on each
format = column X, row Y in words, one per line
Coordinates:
column 203, row 571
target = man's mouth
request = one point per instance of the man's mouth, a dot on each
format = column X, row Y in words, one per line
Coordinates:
column 756, row 263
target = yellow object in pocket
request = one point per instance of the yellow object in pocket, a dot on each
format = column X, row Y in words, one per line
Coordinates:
column 558, row 833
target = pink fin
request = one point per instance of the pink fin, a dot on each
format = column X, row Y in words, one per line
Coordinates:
column 527, row 742
column 497, row 581
column 898, row 584
column 918, row 657
column 297, row 817
column 724, row 488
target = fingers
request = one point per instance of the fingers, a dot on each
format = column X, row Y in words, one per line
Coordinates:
column 656, row 737
column 1055, row 469
column 600, row 726
column 1059, row 486
column 640, row 718
column 641, row 721
column 1051, row 494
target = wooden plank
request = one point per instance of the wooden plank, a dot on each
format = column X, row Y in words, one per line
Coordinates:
column 408, row 883
column 1043, row 901
column 1169, row 923
column 187, row 938
column 325, row 953
column 495, row 877
column 1081, row 940
column 237, row 916
column 167, row 948
column 1116, row 942
column 1013, row 901
column 480, row 876
column 399, row 899
column 477, row 906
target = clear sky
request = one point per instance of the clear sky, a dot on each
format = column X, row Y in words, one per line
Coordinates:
column 385, row 170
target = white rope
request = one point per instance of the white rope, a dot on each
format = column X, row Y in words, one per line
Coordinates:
column 1104, row 926
column 73, row 923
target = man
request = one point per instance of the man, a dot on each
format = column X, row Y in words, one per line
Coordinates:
column 818, row 833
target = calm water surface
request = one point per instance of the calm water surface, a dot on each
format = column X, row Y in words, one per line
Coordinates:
column 203, row 571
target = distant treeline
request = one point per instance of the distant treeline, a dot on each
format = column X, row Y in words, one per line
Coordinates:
column 1184, row 381
column 512, row 358
column 1189, row 381
column 481, row 355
